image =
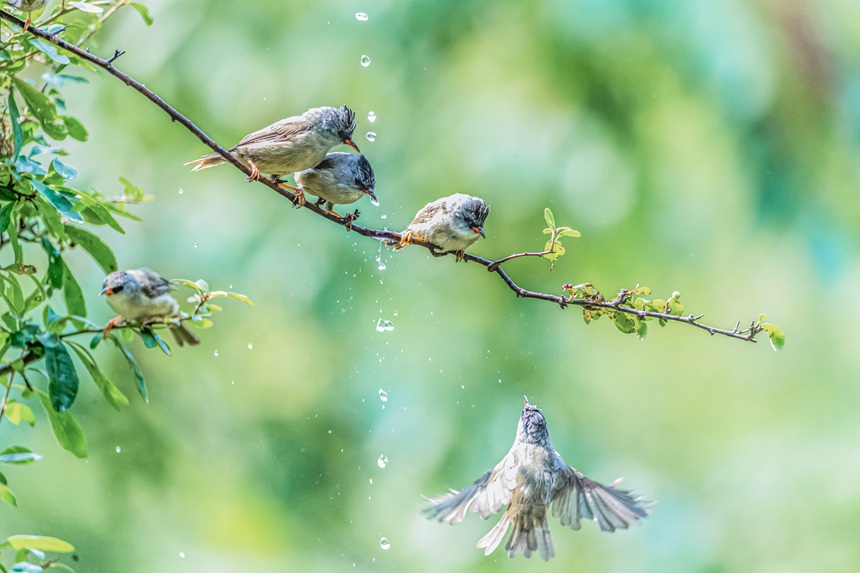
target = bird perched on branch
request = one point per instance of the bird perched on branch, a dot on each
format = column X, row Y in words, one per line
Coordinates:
column 290, row 145
column 28, row 6
column 141, row 295
column 452, row 224
column 530, row 478
column 340, row 179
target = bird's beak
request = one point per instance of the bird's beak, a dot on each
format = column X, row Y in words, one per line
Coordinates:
column 480, row 231
column 372, row 194
column 526, row 402
column 106, row 290
column 352, row 144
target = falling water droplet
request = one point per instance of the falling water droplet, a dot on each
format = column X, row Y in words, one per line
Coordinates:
column 382, row 461
column 383, row 395
column 196, row 245
column 182, row 555
column 118, row 449
column 365, row 61
column 395, row 312
column 250, row 346
column 371, row 116
column 361, row 16
column 181, row 191
column 383, row 325
column 371, row 136
column 374, row 202
column 216, row 354
column 380, row 263
column 384, row 544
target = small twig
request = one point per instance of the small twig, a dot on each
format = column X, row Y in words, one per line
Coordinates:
column 6, row 395
column 389, row 237
column 116, row 55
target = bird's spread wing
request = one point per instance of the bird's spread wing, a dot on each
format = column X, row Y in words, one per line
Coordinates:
column 486, row 496
column 612, row 508
column 279, row 131
column 151, row 283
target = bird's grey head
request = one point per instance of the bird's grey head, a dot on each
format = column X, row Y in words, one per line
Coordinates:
column 532, row 427
column 473, row 214
column 364, row 176
column 119, row 282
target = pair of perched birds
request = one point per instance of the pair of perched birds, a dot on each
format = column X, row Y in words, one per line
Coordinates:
column 532, row 477
column 301, row 145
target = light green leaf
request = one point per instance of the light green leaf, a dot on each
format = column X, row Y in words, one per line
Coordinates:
column 93, row 245
column 568, row 233
column 39, row 543
column 144, row 13
column 7, row 495
column 641, row 330
column 624, row 322
column 16, row 412
column 66, row 429
column 112, row 394
column 18, row 455
column 550, row 219
column 233, row 295
column 75, row 128
column 84, row 7
column 777, row 336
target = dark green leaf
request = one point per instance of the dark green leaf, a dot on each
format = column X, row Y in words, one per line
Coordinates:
column 18, row 455
column 62, row 376
column 138, row 376
column 73, row 294
column 75, row 128
column 6, row 216
column 16, row 126
column 53, row 219
column 56, row 266
column 161, row 344
column 147, row 338
column 111, row 393
column 93, row 245
column 66, row 429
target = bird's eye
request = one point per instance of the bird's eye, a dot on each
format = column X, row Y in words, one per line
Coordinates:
column 117, row 289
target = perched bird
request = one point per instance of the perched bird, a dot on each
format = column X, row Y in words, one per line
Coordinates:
column 530, row 478
column 290, row 145
column 340, row 179
column 451, row 223
column 141, row 295
column 28, row 6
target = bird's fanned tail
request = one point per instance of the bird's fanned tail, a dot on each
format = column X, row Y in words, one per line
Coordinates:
column 531, row 533
column 182, row 335
column 206, row 162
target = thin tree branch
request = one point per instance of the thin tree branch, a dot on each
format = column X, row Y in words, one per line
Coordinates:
column 389, row 237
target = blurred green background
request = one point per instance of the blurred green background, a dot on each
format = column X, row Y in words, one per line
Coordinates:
column 709, row 147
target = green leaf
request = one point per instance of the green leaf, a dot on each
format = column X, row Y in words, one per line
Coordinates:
column 641, row 329
column 624, row 322
column 777, row 336
column 568, row 233
column 51, row 51
column 56, row 266
column 6, row 216
column 66, row 429
column 15, row 294
column 53, row 219
column 144, row 13
column 14, row 117
column 75, row 128
column 550, row 219
column 138, row 376
column 18, row 455
column 39, row 543
column 62, row 202
column 84, row 7
column 67, row 171
column 233, row 295
column 7, row 495
column 38, row 103
column 26, row 567
column 73, row 294
column 161, row 344
column 112, row 394
column 17, row 412
column 62, row 376
column 93, row 245
column 16, row 244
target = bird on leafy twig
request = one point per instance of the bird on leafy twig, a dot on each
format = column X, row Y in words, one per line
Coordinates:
column 28, row 6
column 452, row 224
column 340, row 179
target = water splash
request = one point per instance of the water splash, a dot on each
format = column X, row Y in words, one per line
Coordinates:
column 384, row 544
column 383, row 325
column 374, row 202
column 118, row 450
column 181, row 191
column 371, row 116
column 250, row 346
column 361, row 16
column 383, row 395
column 382, row 461
column 371, row 136
column 216, row 354
column 365, row 61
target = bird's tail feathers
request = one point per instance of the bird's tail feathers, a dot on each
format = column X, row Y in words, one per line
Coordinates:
column 530, row 535
column 182, row 335
column 491, row 540
column 206, row 162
